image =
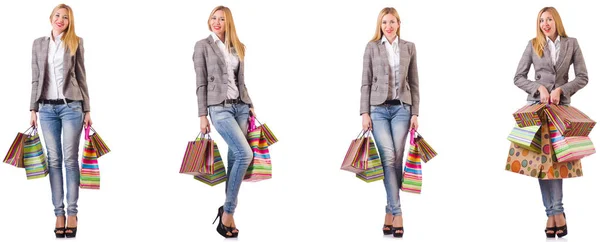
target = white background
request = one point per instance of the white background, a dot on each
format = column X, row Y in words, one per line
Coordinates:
column 303, row 72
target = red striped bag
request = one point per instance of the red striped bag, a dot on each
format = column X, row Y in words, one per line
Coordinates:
column 569, row 121
column 215, row 166
column 412, row 177
column 357, row 155
column 529, row 115
column 196, row 154
column 260, row 168
column 90, row 172
column 425, row 150
column 14, row 156
column 98, row 143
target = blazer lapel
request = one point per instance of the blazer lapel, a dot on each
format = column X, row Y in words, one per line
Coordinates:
column 383, row 55
column 547, row 58
column 67, row 64
column 217, row 50
column 44, row 56
column 404, row 57
column 562, row 52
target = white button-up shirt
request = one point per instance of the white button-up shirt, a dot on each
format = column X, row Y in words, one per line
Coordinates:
column 233, row 62
column 554, row 48
column 394, row 58
column 56, row 52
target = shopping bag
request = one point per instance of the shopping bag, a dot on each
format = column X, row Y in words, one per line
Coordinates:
column 267, row 133
column 14, row 156
column 357, row 156
column 527, row 137
column 34, row 158
column 412, row 177
column 541, row 165
column 260, row 168
column 373, row 165
column 89, row 172
column 569, row 121
column 196, row 154
column 98, row 143
column 216, row 167
column 425, row 150
column 529, row 115
column 570, row 148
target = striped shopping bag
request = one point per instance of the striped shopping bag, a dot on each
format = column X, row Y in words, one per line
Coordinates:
column 425, row 150
column 267, row 133
column 98, row 143
column 412, row 177
column 373, row 166
column 260, row 168
column 569, row 148
column 357, row 156
column 90, row 172
column 196, row 154
column 14, row 156
column 527, row 137
column 34, row 158
column 529, row 115
column 215, row 166
column 569, row 121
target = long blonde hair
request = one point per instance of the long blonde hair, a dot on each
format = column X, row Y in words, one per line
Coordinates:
column 231, row 38
column 69, row 37
column 385, row 11
column 539, row 42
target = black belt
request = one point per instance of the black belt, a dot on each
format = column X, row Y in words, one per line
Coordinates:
column 392, row 102
column 232, row 101
column 55, row 101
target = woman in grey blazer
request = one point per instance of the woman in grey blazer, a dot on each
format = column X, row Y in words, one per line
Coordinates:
column 59, row 93
column 222, row 94
column 552, row 53
column 389, row 105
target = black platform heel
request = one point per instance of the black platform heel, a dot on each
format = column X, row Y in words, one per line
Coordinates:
column 398, row 235
column 221, row 228
column 550, row 229
column 563, row 228
column 61, row 230
column 387, row 229
column 73, row 230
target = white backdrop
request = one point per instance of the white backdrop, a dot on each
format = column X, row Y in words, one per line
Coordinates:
column 303, row 71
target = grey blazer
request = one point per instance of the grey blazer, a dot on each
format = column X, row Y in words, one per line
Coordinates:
column 376, row 76
column 552, row 76
column 74, row 87
column 212, row 77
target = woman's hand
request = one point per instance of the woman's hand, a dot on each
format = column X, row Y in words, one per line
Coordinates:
column 33, row 121
column 87, row 120
column 555, row 96
column 252, row 113
column 366, row 122
column 544, row 96
column 414, row 123
column 204, row 125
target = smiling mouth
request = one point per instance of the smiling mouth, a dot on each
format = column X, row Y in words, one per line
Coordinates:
column 216, row 27
column 546, row 29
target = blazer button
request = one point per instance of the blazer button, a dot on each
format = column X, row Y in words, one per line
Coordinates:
column 212, row 78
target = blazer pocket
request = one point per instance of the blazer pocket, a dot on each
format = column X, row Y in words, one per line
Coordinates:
column 211, row 87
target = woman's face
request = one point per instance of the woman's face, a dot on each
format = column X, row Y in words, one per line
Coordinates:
column 60, row 20
column 547, row 24
column 217, row 22
column 389, row 26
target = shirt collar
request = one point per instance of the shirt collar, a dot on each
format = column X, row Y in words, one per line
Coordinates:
column 555, row 42
column 215, row 37
column 384, row 40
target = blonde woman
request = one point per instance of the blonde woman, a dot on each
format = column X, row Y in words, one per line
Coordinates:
column 222, row 94
column 59, row 93
column 552, row 53
column 389, row 105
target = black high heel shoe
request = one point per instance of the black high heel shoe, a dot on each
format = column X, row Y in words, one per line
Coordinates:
column 398, row 235
column 72, row 229
column 221, row 228
column 563, row 228
column 60, row 232
column 387, row 229
column 550, row 229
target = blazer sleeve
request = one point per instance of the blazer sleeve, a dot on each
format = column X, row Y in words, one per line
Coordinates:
column 367, row 76
column 581, row 76
column 521, row 80
column 199, row 58
column 413, row 81
column 81, row 76
column 35, row 77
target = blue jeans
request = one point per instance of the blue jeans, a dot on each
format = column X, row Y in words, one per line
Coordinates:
column 390, row 128
column 552, row 196
column 68, row 120
column 231, row 121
